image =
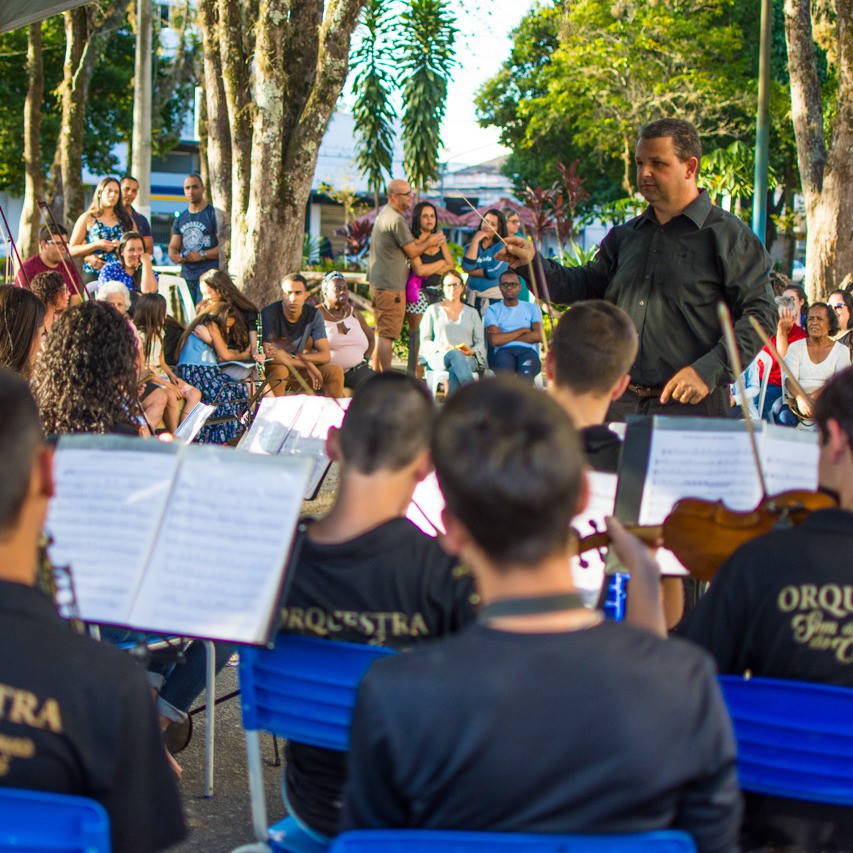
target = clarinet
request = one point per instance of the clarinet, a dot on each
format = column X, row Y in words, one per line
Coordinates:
column 259, row 327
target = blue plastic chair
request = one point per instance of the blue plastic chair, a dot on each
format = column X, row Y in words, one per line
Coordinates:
column 794, row 739
column 52, row 823
column 427, row 841
column 303, row 690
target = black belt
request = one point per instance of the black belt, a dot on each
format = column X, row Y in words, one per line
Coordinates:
column 645, row 391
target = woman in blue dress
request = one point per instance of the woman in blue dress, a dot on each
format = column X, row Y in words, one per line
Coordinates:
column 202, row 346
column 97, row 232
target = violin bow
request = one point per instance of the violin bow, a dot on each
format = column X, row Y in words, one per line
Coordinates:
column 735, row 362
column 780, row 361
column 15, row 248
column 45, row 208
column 536, row 270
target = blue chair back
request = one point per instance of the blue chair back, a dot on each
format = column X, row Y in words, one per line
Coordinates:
column 428, row 841
column 52, row 823
column 305, row 688
column 794, row 739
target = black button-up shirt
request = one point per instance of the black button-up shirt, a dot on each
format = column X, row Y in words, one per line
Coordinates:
column 669, row 279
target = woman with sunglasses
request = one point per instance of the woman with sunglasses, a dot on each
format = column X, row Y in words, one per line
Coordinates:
column 452, row 334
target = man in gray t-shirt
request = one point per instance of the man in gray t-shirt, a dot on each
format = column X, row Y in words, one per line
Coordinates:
column 391, row 246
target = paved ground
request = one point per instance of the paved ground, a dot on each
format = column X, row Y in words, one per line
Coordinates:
column 223, row 822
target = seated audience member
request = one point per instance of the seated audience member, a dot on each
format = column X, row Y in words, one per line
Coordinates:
column 480, row 264
column 775, row 610
column 52, row 257
column 296, row 344
column 86, row 378
column 788, row 330
column 351, row 340
column 21, row 329
column 588, row 364
column 202, row 346
column 217, row 286
column 50, row 287
column 152, row 399
column 514, row 331
column 78, row 715
column 542, row 717
column 366, row 573
column 149, row 317
column 841, row 301
column 812, row 362
column 134, row 267
column 452, row 334
column 513, row 229
column 752, row 391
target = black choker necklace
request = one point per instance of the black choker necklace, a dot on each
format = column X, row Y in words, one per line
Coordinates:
column 531, row 606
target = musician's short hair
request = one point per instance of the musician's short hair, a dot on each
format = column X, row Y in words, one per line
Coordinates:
column 594, row 345
column 836, row 401
column 47, row 232
column 20, row 437
column 510, row 467
column 48, row 285
column 684, row 136
column 388, row 423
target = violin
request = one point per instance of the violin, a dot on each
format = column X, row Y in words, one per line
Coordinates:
column 703, row 534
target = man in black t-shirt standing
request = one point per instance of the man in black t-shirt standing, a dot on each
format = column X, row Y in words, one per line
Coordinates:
column 543, row 717
column 296, row 343
column 366, row 574
column 76, row 716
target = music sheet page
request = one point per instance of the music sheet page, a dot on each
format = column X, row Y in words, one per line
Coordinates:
column 789, row 457
column 271, row 425
column 216, row 567
column 110, row 495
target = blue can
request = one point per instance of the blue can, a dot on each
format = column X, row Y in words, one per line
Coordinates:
column 617, row 593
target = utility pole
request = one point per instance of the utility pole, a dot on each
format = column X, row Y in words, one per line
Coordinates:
column 140, row 166
column 762, row 125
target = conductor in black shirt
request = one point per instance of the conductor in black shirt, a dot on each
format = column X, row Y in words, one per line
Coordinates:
column 668, row 269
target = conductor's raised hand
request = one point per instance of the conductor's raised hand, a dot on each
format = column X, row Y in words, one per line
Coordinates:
column 687, row 386
column 517, row 252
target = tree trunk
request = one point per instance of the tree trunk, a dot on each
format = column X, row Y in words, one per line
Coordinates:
column 216, row 132
column 284, row 65
column 825, row 175
column 28, row 243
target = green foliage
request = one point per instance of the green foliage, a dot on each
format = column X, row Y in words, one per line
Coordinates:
column 373, row 82
column 109, row 112
column 428, row 31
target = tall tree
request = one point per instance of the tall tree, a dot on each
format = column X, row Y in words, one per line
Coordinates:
column 284, row 63
column 373, row 82
column 33, row 174
column 823, row 125
column 428, row 31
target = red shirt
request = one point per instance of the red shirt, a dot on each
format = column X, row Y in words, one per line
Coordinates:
column 795, row 333
column 35, row 265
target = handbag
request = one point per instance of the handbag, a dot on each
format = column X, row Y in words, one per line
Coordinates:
column 413, row 287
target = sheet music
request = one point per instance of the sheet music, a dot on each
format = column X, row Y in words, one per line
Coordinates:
column 104, row 514
column 426, row 506
column 602, row 497
column 709, row 464
column 271, row 424
column 789, row 457
column 215, row 569
column 193, row 422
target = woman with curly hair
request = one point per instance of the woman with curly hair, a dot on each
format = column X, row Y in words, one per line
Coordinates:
column 51, row 288
column 85, row 380
column 202, row 346
column 97, row 232
column 21, row 329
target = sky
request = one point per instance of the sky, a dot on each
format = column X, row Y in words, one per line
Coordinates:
column 482, row 46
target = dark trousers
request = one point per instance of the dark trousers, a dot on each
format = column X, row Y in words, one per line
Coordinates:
column 514, row 359
column 715, row 405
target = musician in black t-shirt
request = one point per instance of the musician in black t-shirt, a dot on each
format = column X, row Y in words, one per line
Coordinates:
column 782, row 607
column 76, row 716
column 542, row 718
column 365, row 574
column 295, row 340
